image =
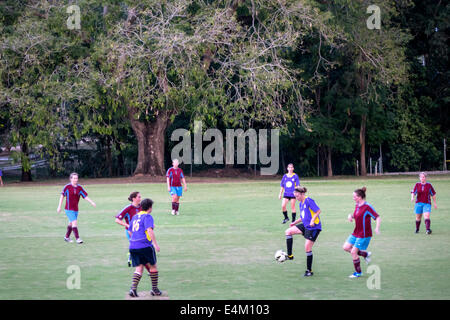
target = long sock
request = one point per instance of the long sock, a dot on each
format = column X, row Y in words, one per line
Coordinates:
column 357, row 265
column 427, row 223
column 289, row 242
column 294, row 215
column 177, row 206
column 309, row 260
column 154, row 278
column 136, row 278
column 362, row 253
column 69, row 230
column 285, row 215
column 418, row 225
column 173, row 205
column 75, row 232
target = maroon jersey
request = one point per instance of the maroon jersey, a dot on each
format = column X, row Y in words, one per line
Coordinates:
column 128, row 212
column 424, row 192
column 175, row 176
column 72, row 195
column 362, row 215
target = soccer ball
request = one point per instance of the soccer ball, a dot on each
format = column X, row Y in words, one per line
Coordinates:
column 280, row 256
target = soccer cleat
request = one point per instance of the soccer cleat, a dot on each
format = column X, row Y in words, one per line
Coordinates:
column 308, row 273
column 285, row 220
column 68, row 239
column 355, row 275
column 367, row 259
column 417, row 230
column 177, row 213
column 429, row 231
column 155, row 292
column 291, row 257
column 79, row 241
column 173, row 212
column 133, row 293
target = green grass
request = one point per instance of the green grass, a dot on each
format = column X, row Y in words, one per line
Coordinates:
column 222, row 244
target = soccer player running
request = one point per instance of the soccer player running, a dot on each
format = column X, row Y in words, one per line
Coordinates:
column 142, row 247
column 175, row 178
column 423, row 191
column 288, row 183
column 126, row 214
column 72, row 192
column 308, row 224
column 359, row 240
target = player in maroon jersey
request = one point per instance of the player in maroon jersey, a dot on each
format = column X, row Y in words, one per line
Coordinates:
column 424, row 192
column 359, row 240
column 72, row 192
column 126, row 214
column 175, row 178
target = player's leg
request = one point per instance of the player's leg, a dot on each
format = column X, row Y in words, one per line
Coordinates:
column 137, row 275
column 179, row 192
column 294, row 213
column 290, row 241
column 175, row 203
column 153, row 270
column 309, row 257
column 426, row 219
column 284, row 202
column 75, row 231
column 418, row 210
column 71, row 216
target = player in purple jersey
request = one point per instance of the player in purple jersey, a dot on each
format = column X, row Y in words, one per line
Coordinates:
column 357, row 243
column 143, row 247
column 288, row 183
column 308, row 224
column 424, row 192
column 126, row 214
column 72, row 192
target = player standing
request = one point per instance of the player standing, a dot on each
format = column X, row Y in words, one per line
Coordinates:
column 359, row 240
column 424, row 191
column 72, row 192
column 143, row 246
column 126, row 214
column 308, row 224
column 288, row 183
column 175, row 178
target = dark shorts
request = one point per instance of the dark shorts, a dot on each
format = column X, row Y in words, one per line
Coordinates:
column 307, row 233
column 143, row 256
column 288, row 197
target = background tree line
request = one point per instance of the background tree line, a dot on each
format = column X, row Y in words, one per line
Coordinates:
column 137, row 70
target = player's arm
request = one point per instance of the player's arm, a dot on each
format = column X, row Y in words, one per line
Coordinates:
column 183, row 181
column 377, row 228
column 350, row 217
column 314, row 217
column 281, row 193
column 168, row 184
column 434, row 200
column 122, row 223
column 60, row 203
column 151, row 233
column 413, row 193
column 90, row 201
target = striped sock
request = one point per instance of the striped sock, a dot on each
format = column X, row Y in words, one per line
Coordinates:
column 154, row 278
column 136, row 278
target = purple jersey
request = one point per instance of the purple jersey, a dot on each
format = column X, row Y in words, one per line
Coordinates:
column 424, row 192
column 138, row 228
column 307, row 210
column 128, row 213
column 73, row 195
column 289, row 183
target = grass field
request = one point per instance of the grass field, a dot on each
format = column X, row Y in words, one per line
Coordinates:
column 222, row 244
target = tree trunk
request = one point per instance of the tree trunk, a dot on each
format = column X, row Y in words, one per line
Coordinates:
column 26, row 174
column 329, row 163
column 362, row 141
column 151, row 139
